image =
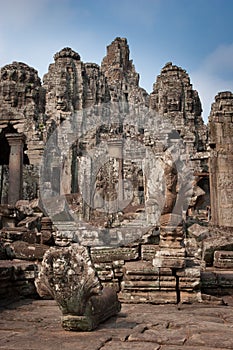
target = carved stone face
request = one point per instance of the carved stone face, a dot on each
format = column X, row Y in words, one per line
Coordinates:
column 61, row 103
column 61, row 92
column 173, row 103
column 9, row 93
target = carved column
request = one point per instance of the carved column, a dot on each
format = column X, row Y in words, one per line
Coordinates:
column 16, row 142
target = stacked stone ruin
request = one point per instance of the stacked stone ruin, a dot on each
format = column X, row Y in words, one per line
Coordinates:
column 154, row 248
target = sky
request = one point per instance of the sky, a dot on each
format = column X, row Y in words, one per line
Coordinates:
column 196, row 35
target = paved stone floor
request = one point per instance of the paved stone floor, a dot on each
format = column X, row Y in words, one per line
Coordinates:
column 35, row 325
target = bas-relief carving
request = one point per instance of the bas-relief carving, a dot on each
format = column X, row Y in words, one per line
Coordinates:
column 226, row 197
column 226, row 218
column 224, row 180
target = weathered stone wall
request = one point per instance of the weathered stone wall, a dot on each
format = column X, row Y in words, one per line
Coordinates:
column 221, row 159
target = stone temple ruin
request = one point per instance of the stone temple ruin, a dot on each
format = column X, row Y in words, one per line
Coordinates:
column 89, row 160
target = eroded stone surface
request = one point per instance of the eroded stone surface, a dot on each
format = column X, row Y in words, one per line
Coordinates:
column 36, row 324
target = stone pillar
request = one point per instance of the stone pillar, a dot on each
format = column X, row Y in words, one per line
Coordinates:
column 172, row 251
column 16, row 142
column 179, row 275
column 115, row 149
column 221, row 159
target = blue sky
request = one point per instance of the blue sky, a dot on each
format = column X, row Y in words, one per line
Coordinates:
column 196, row 35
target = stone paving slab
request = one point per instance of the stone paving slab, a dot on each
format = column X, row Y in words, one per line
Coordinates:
column 35, row 325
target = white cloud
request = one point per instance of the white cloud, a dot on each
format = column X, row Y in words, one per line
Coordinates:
column 208, row 87
column 220, row 61
column 18, row 14
column 32, row 31
column 215, row 74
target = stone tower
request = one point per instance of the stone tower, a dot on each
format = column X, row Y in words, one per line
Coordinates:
column 173, row 97
column 221, row 159
column 122, row 78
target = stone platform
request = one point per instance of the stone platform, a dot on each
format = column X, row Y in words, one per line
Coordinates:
column 35, row 325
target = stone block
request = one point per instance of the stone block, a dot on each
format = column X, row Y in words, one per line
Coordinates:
column 31, row 237
column 148, row 251
column 225, row 279
column 6, row 272
column 113, row 284
column 25, row 251
column 189, row 272
column 104, row 271
column 223, row 259
column 140, row 268
column 212, row 244
column 171, row 262
column 23, row 206
column 208, row 280
column 112, row 254
column 118, row 268
column 172, row 258
column 190, row 297
column 24, row 271
column 189, row 283
column 192, row 248
column 167, row 283
column 165, row 271
column 146, row 286
column 156, row 297
column 198, row 232
column 29, row 222
column 25, row 288
column 17, row 278
column 47, row 238
column 46, row 224
column 11, row 235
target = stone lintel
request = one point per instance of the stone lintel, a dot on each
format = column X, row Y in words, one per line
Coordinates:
column 15, row 138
